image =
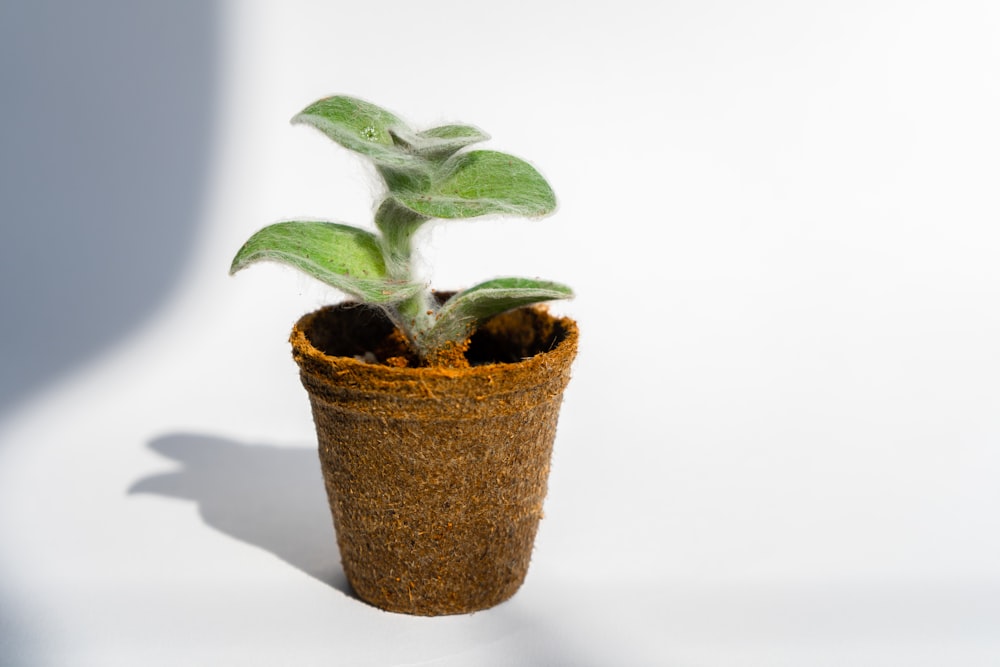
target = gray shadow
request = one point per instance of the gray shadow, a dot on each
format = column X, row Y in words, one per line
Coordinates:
column 266, row 496
column 106, row 119
column 106, row 113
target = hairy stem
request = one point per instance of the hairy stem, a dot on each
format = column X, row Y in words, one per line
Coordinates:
column 414, row 315
column 415, row 318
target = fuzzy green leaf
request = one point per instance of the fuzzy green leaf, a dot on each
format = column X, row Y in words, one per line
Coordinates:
column 464, row 311
column 342, row 256
column 441, row 142
column 361, row 127
column 479, row 183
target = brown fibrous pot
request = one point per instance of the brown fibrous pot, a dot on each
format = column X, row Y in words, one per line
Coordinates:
column 435, row 476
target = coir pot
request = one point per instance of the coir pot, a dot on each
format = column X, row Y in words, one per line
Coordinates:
column 435, row 476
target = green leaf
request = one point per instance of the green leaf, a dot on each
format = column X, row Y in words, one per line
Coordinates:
column 441, row 142
column 361, row 127
column 342, row 256
column 460, row 315
column 479, row 183
column 406, row 180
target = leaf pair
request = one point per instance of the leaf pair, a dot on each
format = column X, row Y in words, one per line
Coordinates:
column 382, row 137
column 351, row 260
column 424, row 171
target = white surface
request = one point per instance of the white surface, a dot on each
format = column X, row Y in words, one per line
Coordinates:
column 780, row 446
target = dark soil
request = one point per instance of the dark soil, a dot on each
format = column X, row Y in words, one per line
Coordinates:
column 504, row 339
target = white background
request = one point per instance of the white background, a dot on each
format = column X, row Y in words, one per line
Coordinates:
column 782, row 441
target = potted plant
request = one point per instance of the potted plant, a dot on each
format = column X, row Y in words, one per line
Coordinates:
column 435, row 413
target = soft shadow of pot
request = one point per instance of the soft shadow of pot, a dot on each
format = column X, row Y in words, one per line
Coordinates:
column 269, row 497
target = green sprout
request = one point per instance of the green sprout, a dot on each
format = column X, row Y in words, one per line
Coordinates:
column 427, row 175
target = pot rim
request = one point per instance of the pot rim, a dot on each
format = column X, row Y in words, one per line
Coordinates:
column 562, row 353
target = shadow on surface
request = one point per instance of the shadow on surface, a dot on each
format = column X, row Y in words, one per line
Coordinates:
column 105, row 133
column 107, row 120
column 266, row 496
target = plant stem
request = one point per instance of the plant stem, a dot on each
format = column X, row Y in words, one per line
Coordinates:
column 415, row 315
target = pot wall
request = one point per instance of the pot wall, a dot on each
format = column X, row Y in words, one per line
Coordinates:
column 436, row 477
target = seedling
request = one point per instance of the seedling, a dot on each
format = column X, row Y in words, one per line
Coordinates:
column 427, row 175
